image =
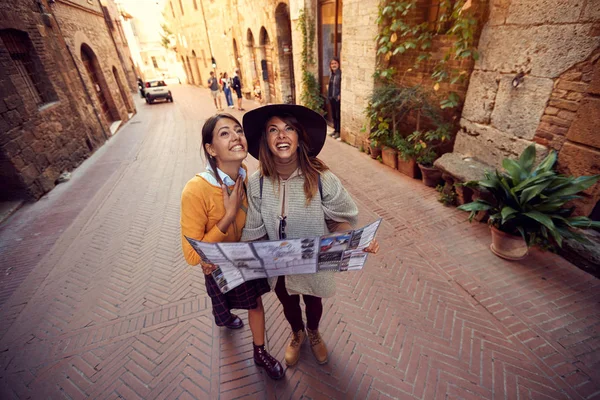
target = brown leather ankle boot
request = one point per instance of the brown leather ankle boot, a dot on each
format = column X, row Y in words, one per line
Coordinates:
column 292, row 352
column 318, row 346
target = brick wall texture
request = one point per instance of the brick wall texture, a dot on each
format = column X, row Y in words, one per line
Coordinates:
column 554, row 46
column 42, row 137
column 570, row 125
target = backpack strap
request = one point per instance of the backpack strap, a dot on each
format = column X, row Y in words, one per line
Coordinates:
column 320, row 188
column 260, row 181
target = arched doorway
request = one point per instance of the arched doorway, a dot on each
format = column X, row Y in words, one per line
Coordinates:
column 95, row 75
column 330, row 41
column 252, row 58
column 185, row 69
column 236, row 55
column 266, row 65
column 196, row 68
column 126, row 101
column 192, row 79
column 286, row 59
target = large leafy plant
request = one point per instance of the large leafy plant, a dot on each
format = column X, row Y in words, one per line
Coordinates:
column 532, row 201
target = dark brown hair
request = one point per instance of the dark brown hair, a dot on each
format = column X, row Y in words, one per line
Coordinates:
column 207, row 138
column 339, row 64
column 311, row 167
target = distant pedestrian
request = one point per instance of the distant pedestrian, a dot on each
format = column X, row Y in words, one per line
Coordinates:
column 334, row 92
column 213, row 84
column 236, row 84
column 226, row 84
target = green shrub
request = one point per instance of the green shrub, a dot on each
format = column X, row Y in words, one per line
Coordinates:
column 531, row 201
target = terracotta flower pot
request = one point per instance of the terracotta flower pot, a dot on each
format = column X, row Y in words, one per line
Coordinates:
column 375, row 151
column 408, row 167
column 507, row 246
column 367, row 146
column 389, row 157
column 431, row 175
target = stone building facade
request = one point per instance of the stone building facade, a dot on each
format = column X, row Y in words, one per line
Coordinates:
column 547, row 49
column 254, row 36
column 51, row 116
column 538, row 80
column 115, row 17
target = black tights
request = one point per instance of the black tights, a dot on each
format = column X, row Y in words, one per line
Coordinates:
column 292, row 310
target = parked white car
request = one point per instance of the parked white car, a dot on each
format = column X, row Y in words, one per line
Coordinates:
column 157, row 89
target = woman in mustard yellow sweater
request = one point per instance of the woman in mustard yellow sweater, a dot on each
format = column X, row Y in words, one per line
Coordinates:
column 213, row 209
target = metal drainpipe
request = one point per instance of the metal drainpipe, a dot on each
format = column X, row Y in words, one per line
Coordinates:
column 85, row 88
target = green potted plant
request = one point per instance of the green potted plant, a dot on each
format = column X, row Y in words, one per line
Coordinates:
column 388, row 105
column 407, row 163
column 379, row 135
column 425, row 146
column 527, row 205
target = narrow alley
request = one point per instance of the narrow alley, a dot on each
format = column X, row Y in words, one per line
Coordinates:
column 98, row 301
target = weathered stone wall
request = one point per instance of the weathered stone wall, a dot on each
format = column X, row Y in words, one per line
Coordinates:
column 569, row 91
column 548, row 42
column 39, row 141
column 85, row 25
column 518, row 40
column 570, row 125
column 129, row 80
column 228, row 21
column 358, row 65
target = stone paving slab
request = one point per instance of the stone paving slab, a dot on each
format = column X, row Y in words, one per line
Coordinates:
column 101, row 304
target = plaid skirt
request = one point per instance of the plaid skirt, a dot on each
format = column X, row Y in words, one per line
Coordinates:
column 242, row 297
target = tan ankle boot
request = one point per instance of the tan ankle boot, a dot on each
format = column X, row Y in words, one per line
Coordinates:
column 318, row 346
column 292, row 352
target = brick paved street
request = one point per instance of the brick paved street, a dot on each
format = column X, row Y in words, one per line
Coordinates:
column 97, row 301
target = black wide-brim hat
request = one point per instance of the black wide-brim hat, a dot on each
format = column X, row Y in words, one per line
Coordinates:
column 314, row 124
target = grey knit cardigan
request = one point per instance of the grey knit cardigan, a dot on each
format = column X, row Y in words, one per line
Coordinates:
column 302, row 220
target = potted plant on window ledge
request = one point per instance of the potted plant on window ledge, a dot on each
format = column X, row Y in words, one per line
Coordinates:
column 527, row 205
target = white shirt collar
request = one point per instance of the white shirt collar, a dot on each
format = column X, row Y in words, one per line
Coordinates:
column 210, row 176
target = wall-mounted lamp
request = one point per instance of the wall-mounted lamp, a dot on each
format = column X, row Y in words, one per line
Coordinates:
column 214, row 63
column 518, row 79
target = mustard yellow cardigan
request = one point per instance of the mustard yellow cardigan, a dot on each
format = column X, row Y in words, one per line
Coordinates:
column 201, row 209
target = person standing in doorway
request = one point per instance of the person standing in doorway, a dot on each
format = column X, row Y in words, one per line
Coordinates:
column 226, row 83
column 334, row 92
column 213, row 84
column 236, row 84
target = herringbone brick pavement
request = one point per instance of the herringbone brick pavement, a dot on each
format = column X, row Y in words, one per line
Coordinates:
column 97, row 301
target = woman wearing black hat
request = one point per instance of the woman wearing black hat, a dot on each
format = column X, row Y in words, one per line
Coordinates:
column 294, row 195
